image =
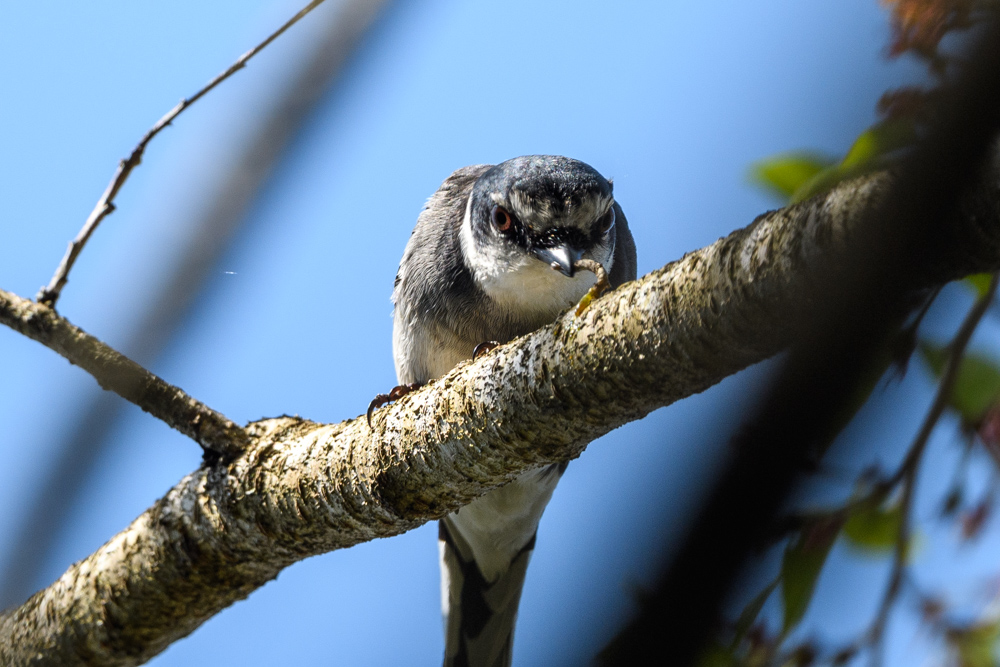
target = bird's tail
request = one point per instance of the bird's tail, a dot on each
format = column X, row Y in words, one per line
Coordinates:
column 479, row 614
column 485, row 549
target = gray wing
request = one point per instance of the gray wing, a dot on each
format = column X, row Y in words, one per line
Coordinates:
column 433, row 291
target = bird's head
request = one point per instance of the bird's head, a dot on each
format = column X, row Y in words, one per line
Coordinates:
column 528, row 220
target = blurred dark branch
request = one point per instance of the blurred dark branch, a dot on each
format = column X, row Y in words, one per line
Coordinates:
column 956, row 351
column 105, row 205
column 116, row 372
column 876, row 634
column 907, row 472
column 864, row 298
column 281, row 118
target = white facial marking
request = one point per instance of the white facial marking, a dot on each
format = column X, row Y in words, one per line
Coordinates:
column 521, row 282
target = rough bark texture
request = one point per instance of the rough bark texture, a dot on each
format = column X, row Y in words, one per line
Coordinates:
column 302, row 488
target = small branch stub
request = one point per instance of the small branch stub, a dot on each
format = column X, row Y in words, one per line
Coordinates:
column 116, row 372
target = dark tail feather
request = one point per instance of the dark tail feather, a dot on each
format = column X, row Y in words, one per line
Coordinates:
column 480, row 615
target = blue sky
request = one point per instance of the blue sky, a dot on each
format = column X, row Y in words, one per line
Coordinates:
column 673, row 100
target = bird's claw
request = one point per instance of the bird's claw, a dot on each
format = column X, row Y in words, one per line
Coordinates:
column 377, row 402
column 485, row 347
column 394, row 394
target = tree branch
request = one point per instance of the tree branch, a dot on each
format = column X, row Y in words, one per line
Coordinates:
column 302, row 488
column 116, row 372
column 106, row 204
column 280, row 117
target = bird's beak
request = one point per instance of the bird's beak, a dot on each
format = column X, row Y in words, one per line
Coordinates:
column 561, row 258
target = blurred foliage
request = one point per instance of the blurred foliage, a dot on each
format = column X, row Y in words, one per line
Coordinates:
column 751, row 612
column 974, row 646
column 977, row 386
column 785, row 174
column 796, row 177
column 716, row 655
column 877, row 516
column 980, row 282
column 874, row 529
column 802, row 563
column 918, row 26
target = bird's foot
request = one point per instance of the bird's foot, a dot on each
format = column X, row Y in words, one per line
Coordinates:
column 394, row 394
column 484, row 348
column 599, row 287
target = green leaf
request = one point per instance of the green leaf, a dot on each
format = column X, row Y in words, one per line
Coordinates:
column 784, row 174
column 979, row 282
column 801, row 565
column 977, row 386
column 823, row 181
column 751, row 611
column 799, row 176
column 879, row 140
column 716, row 656
column 874, row 529
column 935, row 356
column 975, row 645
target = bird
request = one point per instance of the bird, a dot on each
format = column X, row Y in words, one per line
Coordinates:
column 492, row 257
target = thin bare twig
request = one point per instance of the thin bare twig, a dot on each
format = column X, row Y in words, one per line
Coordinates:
column 116, row 372
column 956, row 350
column 105, row 206
column 907, row 472
column 278, row 120
column 877, row 630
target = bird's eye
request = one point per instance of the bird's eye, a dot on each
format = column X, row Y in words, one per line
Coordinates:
column 607, row 221
column 502, row 220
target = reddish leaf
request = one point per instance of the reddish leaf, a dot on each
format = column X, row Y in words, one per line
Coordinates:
column 919, row 25
column 931, row 610
column 974, row 519
column 989, row 432
column 907, row 102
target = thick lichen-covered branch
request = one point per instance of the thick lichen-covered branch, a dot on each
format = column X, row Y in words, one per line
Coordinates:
column 302, row 489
